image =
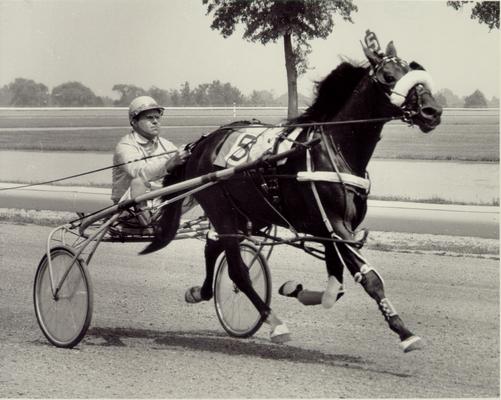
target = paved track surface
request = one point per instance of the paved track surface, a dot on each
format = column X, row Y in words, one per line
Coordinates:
column 145, row 341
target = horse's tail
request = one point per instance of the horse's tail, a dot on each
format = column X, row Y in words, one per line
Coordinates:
column 168, row 223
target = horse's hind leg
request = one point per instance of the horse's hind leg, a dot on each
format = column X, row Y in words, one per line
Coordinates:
column 225, row 221
column 373, row 284
column 239, row 274
column 212, row 250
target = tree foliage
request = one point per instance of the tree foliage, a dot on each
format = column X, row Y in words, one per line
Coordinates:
column 294, row 21
column 74, row 94
column 127, row 93
column 162, row 96
column 5, row 96
column 261, row 98
column 441, row 99
column 475, row 100
column 486, row 12
column 28, row 93
column 450, row 99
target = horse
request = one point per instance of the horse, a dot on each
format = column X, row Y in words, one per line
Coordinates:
column 352, row 105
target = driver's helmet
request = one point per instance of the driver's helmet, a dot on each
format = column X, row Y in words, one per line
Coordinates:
column 141, row 104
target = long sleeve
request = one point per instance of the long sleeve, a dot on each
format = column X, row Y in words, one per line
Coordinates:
column 150, row 170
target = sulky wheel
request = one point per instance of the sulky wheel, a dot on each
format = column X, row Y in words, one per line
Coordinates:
column 237, row 314
column 65, row 316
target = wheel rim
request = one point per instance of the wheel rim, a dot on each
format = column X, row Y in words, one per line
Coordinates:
column 63, row 319
column 235, row 311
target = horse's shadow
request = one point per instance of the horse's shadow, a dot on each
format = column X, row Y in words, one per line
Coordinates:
column 219, row 342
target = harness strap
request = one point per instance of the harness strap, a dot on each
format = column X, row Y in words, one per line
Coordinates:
column 335, row 177
column 409, row 80
column 309, row 166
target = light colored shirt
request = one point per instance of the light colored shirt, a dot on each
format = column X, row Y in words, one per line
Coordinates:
column 133, row 146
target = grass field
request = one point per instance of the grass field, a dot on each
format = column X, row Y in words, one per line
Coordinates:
column 469, row 135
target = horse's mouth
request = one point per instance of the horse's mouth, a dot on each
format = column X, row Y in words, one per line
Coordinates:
column 427, row 126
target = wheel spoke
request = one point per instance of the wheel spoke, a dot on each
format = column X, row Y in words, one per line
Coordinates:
column 64, row 320
column 235, row 311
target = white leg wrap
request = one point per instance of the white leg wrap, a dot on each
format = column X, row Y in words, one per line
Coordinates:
column 332, row 292
column 364, row 269
column 387, row 308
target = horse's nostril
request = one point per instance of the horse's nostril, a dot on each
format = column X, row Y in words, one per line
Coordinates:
column 431, row 112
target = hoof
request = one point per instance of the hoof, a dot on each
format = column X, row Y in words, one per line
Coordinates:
column 290, row 289
column 193, row 295
column 331, row 295
column 411, row 343
column 280, row 334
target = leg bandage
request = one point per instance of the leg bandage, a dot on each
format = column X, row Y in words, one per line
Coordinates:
column 364, row 269
column 387, row 308
column 332, row 292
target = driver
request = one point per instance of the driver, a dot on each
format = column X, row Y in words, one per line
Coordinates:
column 137, row 178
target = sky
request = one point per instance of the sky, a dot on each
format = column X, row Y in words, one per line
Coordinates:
column 164, row 43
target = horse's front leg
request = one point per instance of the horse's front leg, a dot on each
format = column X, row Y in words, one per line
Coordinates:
column 334, row 290
column 373, row 284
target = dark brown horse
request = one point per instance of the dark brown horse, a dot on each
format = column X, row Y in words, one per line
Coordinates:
column 324, row 193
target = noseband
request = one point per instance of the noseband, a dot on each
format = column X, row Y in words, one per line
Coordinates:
column 413, row 78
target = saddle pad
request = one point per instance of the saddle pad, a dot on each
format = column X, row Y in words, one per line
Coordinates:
column 249, row 143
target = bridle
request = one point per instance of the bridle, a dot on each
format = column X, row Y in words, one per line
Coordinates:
column 391, row 89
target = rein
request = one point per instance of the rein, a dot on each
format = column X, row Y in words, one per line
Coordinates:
column 309, row 124
column 88, row 172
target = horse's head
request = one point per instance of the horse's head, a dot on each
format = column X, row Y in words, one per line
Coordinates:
column 408, row 86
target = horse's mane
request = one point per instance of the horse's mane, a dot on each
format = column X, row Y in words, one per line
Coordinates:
column 333, row 92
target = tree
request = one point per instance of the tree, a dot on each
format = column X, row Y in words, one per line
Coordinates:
column 176, row 98
column 452, row 100
column 223, row 94
column 161, row 96
column 5, row 96
column 263, row 98
column 26, row 92
column 475, row 100
column 486, row 12
column 493, row 102
column 127, row 93
column 441, row 99
column 74, row 94
column 186, row 95
column 296, row 21
column 200, row 95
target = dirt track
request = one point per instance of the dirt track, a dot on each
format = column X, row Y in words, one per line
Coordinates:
column 145, row 341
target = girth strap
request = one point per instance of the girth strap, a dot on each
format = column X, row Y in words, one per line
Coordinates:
column 336, row 177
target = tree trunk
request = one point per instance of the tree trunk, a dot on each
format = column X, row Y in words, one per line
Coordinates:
column 290, row 66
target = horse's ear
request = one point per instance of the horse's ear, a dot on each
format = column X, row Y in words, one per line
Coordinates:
column 391, row 51
column 415, row 65
column 371, row 55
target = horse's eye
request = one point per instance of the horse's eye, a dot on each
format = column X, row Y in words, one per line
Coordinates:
column 388, row 78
